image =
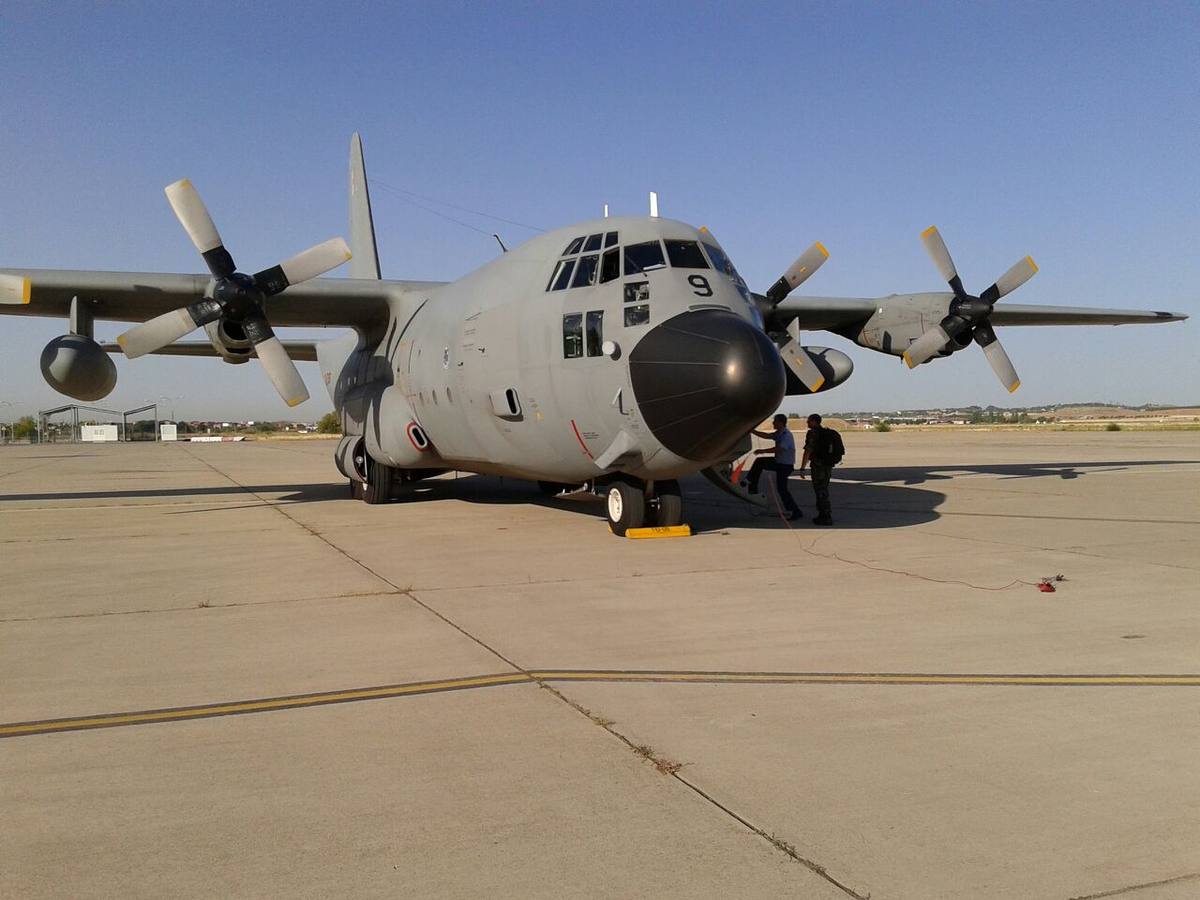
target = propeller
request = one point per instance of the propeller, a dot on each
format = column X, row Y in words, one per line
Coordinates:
column 234, row 297
column 969, row 314
column 794, row 355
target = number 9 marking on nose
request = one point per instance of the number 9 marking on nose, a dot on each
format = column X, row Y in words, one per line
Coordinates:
column 701, row 286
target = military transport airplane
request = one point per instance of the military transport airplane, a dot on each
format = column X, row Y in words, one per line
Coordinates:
column 618, row 353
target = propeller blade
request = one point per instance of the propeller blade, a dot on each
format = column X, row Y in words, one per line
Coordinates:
column 15, row 289
column 1020, row 273
column 936, row 247
column 167, row 328
column 275, row 361
column 797, row 359
column 193, row 216
column 997, row 358
column 799, row 271
column 312, row 262
column 926, row 346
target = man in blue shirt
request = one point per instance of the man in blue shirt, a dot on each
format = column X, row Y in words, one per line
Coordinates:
column 784, row 453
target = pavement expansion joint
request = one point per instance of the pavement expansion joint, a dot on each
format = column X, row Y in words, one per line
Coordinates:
column 1117, row 892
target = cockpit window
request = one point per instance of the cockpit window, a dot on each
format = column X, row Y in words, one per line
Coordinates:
column 585, row 272
column 562, row 275
column 643, row 257
column 573, row 247
column 720, row 261
column 610, row 265
column 685, row 255
column 610, row 239
column 593, row 243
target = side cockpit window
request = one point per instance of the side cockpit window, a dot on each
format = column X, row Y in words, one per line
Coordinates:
column 581, row 271
column 610, row 265
column 585, row 271
column 562, row 275
column 685, row 255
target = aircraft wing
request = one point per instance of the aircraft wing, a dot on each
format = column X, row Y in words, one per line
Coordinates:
column 1016, row 314
column 831, row 313
column 299, row 351
column 827, row 313
column 140, row 296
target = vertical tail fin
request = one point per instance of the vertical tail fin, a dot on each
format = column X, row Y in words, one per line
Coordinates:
column 365, row 263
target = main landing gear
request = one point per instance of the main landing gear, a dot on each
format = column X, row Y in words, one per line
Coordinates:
column 634, row 504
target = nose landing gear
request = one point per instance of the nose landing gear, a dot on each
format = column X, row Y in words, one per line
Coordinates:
column 633, row 504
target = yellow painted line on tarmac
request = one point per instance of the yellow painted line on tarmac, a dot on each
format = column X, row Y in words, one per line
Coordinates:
column 239, row 707
column 872, row 678
column 300, row 701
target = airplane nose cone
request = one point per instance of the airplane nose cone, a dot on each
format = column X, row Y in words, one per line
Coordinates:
column 703, row 379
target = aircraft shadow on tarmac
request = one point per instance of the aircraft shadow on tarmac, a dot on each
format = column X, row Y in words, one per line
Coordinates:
column 863, row 497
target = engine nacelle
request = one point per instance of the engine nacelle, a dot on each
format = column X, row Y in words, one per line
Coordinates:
column 229, row 341
column 835, row 365
column 392, row 434
column 351, row 457
column 77, row 366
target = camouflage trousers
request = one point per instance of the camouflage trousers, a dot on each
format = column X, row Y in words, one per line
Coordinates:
column 820, row 473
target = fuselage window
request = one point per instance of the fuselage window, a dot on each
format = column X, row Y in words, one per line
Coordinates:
column 637, row 292
column 610, row 265
column 562, row 275
column 585, row 272
column 637, row 315
column 610, row 239
column 573, row 247
column 572, row 335
column 593, row 243
column 685, row 255
column 643, row 257
column 595, row 332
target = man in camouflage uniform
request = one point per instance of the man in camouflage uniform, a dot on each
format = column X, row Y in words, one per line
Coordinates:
column 821, row 468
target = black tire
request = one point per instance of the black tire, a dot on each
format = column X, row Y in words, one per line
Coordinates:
column 378, row 488
column 625, row 504
column 356, row 489
column 668, row 503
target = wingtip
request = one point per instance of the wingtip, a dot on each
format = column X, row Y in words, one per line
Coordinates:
column 15, row 289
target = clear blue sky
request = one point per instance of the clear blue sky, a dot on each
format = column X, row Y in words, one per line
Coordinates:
column 1066, row 131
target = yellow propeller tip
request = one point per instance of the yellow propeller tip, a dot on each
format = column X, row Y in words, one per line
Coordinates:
column 908, row 360
column 816, row 387
column 932, row 229
column 26, row 291
column 1016, row 385
column 1032, row 264
column 821, row 247
column 296, row 401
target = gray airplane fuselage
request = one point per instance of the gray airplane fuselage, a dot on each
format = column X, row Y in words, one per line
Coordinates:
column 511, row 370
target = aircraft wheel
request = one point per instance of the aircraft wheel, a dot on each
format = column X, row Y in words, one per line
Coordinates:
column 668, row 503
column 378, row 488
column 356, row 489
column 626, row 506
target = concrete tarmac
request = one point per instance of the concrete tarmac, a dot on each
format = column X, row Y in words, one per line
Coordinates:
column 221, row 676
